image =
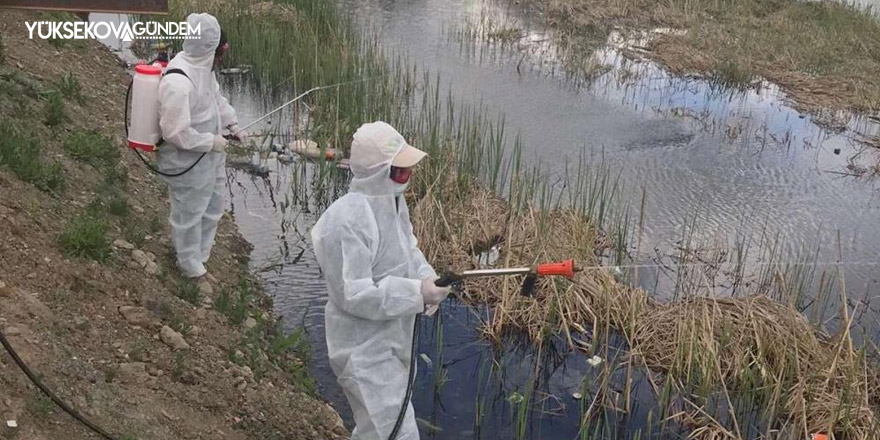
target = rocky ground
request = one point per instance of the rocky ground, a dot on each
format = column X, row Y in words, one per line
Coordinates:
column 89, row 296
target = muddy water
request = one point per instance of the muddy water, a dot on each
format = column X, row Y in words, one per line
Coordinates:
column 743, row 163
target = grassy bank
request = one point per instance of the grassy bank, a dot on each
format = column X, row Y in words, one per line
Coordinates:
column 823, row 54
column 89, row 294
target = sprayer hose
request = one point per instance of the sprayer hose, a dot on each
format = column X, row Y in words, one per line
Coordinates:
column 409, row 381
column 73, row 413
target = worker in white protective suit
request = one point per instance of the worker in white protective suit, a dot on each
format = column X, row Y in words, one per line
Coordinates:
column 193, row 116
column 377, row 279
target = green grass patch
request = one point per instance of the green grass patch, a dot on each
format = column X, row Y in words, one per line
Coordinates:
column 109, row 201
column 53, row 110
column 115, row 176
column 133, row 233
column 189, row 292
column 70, row 87
column 234, row 304
column 85, row 236
column 23, row 156
column 91, row 147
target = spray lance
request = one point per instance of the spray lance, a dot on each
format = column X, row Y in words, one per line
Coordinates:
column 563, row 268
column 142, row 129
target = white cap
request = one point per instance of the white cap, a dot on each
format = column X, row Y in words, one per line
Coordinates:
column 376, row 144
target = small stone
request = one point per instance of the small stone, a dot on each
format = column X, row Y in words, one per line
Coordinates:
column 173, row 339
column 122, row 244
column 195, row 330
column 148, row 238
column 238, row 354
column 250, row 323
column 247, row 372
column 152, row 370
column 201, row 313
column 133, row 372
column 137, row 209
column 80, row 321
column 11, row 424
column 31, row 275
column 152, row 268
column 140, row 257
column 137, row 316
column 12, row 331
column 241, row 384
column 151, row 256
column 189, row 378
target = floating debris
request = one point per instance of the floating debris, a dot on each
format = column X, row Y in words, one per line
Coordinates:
column 310, row 149
column 577, row 396
column 594, row 361
column 426, row 359
column 235, row 70
column 515, row 398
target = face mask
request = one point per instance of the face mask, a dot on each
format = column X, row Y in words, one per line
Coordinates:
column 400, row 188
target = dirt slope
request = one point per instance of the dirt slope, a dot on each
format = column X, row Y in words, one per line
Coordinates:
column 99, row 322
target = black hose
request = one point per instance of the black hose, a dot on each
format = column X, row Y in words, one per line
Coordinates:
column 409, row 380
column 73, row 413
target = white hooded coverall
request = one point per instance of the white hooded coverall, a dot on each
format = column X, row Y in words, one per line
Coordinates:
column 191, row 113
column 365, row 246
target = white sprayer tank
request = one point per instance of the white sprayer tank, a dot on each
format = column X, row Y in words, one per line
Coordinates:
column 144, row 131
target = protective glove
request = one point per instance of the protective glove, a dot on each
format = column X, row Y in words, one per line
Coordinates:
column 433, row 294
column 242, row 137
column 219, row 144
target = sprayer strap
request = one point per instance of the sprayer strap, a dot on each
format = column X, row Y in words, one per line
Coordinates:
column 178, row 71
column 170, row 72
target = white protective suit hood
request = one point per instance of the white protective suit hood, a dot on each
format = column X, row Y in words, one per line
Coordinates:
column 207, row 37
column 373, row 268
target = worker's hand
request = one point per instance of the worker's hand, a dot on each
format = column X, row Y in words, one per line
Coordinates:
column 433, row 294
column 219, row 144
column 431, row 310
column 239, row 134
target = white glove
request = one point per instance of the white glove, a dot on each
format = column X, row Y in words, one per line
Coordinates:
column 219, row 144
column 433, row 294
column 242, row 137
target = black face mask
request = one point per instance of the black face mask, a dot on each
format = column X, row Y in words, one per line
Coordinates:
column 222, row 46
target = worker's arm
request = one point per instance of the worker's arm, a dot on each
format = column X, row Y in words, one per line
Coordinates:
column 227, row 113
column 346, row 259
column 174, row 116
column 424, row 268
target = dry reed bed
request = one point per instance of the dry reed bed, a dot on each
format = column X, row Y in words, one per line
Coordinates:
column 748, row 347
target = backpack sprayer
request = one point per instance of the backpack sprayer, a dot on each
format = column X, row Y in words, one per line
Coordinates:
column 564, row 268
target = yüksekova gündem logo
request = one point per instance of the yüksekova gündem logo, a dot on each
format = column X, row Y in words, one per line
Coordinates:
column 99, row 30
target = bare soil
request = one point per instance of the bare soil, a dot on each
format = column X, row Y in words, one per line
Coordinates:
column 64, row 315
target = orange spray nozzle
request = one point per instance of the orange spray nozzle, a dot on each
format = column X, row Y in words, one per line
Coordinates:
column 563, row 268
